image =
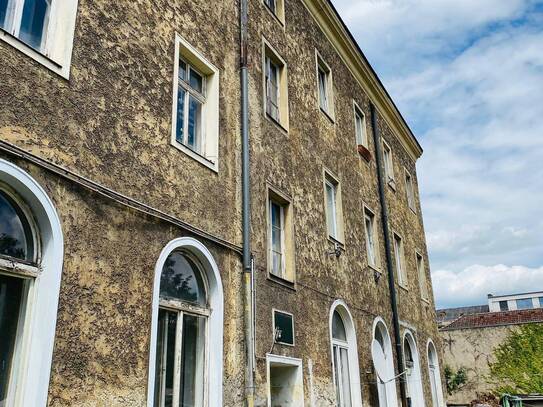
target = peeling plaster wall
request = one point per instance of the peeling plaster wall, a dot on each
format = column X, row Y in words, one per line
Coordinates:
column 472, row 349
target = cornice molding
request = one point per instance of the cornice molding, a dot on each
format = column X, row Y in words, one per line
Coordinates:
column 341, row 39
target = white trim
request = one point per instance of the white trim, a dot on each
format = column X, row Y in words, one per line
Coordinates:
column 414, row 380
column 359, row 112
column 287, row 361
column 354, row 369
column 437, row 374
column 214, row 361
column 390, row 387
column 32, row 381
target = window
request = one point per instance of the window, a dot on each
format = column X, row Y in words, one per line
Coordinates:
column 388, row 164
column 280, row 237
column 31, row 252
column 324, row 83
column 386, row 385
column 277, row 8
column 421, row 269
column 504, row 306
column 540, row 302
column 333, row 208
column 360, row 127
column 42, row 29
column 435, row 376
column 399, row 256
column 283, row 327
column 525, row 303
column 371, row 238
column 410, row 191
column 285, row 381
column 275, row 86
column 187, row 323
column 413, row 376
column 195, row 128
column 344, row 357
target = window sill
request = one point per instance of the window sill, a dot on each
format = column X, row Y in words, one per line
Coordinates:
column 291, row 285
column 392, row 184
column 413, row 210
column 327, row 114
column 425, row 300
column 375, row 268
column 34, row 54
column 337, row 243
column 277, row 124
column 403, row 287
column 214, row 166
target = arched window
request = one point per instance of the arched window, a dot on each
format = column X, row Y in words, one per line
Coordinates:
column 386, row 383
column 435, row 376
column 30, row 271
column 344, row 356
column 186, row 340
column 412, row 366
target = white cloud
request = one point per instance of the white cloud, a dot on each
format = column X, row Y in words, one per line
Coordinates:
column 473, row 284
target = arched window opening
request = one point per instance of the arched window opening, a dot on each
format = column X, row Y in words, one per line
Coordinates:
column 344, row 357
column 413, row 375
column 435, row 376
column 180, row 348
column 386, row 382
column 16, row 236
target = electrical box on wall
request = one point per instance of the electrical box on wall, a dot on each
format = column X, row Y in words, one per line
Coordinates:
column 283, row 328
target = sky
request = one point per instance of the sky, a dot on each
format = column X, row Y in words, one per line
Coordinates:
column 467, row 75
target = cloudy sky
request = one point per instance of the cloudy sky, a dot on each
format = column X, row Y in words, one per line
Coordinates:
column 468, row 77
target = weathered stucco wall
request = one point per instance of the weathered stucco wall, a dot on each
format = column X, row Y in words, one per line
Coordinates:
column 472, row 349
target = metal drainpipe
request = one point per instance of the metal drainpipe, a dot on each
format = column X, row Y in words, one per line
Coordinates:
column 246, row 209
column 390, row 269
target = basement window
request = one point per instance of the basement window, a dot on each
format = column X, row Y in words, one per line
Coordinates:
column 285, row 383
column 41, row 29
column 195, row 129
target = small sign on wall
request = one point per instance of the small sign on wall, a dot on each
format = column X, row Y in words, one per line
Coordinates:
column 283, row 328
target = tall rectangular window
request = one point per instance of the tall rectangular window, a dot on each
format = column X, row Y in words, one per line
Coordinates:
column 324, row 84
column 272, row 89
column 275, row 86
column 280, row 237
column 400, row 264
column 333, row 208
column 422, row 277
column 410, row 190
column 388, row 163
column 360, row 127
column 28, row 20
column 371, row 238
column 277, row 238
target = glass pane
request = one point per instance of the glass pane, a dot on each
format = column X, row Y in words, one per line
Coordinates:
column 358, row 126
column 338, row 328
column 165, row 358
column 182, row 70
column 275, row 215
column 3, row 12
column 271, row 5
column 337, row 374
column 525, row 303
column 277, row 263
column 182, row 280
column 504, row 306
column 180, row 125
column 11, row 293
column 276, row 240
column 195, row 122
column 331, row 207
column 345, row 376
column 15, row 232
column 369, row 241
column 322, row 90
column 34, row 22
column 196, row 81
column 540, row 302
column 192, row 362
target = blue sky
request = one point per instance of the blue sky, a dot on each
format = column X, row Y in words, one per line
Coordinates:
column 468, row 77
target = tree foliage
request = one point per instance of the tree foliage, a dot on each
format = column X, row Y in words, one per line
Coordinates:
column 455, row 380
column 518, row 366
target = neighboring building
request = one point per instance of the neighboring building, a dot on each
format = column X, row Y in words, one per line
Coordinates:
column 121, row 275
column 513, row 302
column 448, row 315
column 469, row 342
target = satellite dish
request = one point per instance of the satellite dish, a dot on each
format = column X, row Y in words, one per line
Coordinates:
column 379, row 360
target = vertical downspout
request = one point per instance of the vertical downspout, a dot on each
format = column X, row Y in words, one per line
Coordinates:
column 390, row 269
column 246, row 209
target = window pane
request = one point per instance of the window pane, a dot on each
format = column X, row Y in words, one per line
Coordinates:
column 271, row 5
column 370, row 241
column 3, row 12
column 275, row 215
column 180, row 125
column 504, row 306
column 540, row 302
column 337, row 373
column 165, row 358
column 195, row 122
column 525, row 303
column 192, row 362
column 182, row 280
column 345, row 376
column 196, row 81
column 182, row 70
column 322, row 90
column 331, row 208
column 338, row 328
column 276, row 263
column 360, row 131
column 34, row 22
column 11, row 293
column 272, row 89
column 15, row 232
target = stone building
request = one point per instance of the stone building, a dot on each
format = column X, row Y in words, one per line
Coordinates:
column 124, row 230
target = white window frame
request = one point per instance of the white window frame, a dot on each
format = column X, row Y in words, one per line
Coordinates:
column 35, row 352
column 361, row 139
column 352, row 349
column 209, row 152
column 334, row 219
column 282, row 253
column 410, row 191
column 414, row 375
column 55, row 52
column 399, row 257
column 269, row 53
column 435, row 373
column 421, row 271
column 387, row 391
column 388, row 163
column 327, row 105
column 213, row 371
column 369, row 214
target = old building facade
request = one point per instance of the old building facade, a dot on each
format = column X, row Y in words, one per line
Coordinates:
column 121, row 275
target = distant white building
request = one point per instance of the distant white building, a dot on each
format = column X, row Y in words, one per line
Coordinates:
column 497, row 303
